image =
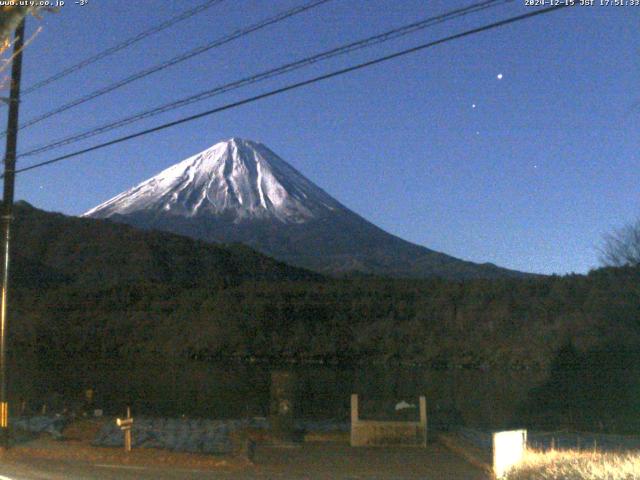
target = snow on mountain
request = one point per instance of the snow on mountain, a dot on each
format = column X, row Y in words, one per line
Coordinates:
column 239, row 191
column 237, row 179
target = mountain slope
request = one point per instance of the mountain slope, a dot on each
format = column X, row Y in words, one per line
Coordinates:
column 240, row 191
column 51, row 248
column 237, row 180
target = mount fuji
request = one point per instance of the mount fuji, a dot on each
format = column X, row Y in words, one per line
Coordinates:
column 240, row 191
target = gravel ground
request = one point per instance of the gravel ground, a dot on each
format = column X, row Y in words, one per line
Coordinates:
column 74, row 458
column 309, row 461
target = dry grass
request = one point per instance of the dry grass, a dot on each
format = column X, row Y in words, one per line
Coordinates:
column 577, row 465
column 45, row 448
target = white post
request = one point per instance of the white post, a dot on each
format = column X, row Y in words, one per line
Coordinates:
column 423, row 418
column 508, row 450
column 354, row 408
column 354, row 417
column 125, row 425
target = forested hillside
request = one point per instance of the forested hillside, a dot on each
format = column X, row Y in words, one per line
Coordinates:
column 91, row 290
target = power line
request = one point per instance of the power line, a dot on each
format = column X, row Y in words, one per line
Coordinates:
column 296, row 85
column 127, row 43
column 173, row 61
column 286, row 68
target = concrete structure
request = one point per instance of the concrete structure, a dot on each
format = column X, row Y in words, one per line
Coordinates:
column 282, row 401
column 376, row 432
column 508, row 450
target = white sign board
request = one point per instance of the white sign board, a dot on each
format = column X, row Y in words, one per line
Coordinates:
column 508, row 450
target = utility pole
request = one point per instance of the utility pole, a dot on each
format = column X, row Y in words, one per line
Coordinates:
column 7, row 218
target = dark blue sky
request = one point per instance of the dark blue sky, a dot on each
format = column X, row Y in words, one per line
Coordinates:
column 529, row 179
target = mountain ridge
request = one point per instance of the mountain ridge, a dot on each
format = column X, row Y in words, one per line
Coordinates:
column 241, row 191
column 236, row 176
column 52, row 248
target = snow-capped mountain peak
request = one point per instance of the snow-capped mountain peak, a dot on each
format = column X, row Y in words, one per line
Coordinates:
column 239, row 191
column 236, row 179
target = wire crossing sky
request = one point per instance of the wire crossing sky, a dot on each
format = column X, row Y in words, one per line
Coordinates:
column 512, row 146
column 288, row 67
column 294, row 86
column 120, row 46
column 173, row 61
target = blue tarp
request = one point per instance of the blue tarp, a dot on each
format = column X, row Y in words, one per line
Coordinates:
column 196, row 435
column 41, row 424
column 180, row 435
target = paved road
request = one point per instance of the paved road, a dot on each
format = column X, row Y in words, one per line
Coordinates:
column 310, row 461
column 65, row 470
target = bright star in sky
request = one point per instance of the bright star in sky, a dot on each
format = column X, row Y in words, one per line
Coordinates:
column 70, row 190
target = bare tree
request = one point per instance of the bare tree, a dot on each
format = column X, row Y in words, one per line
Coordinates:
column 622, row 247
column 10, row 17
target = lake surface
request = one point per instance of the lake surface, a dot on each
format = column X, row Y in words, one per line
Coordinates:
column 475, row 398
